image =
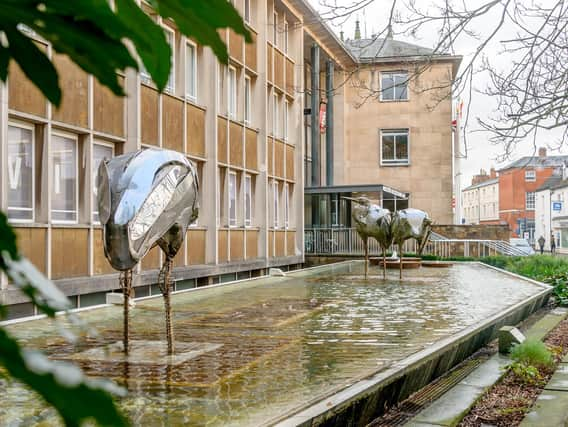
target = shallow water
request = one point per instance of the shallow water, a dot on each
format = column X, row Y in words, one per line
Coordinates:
column 253, row 351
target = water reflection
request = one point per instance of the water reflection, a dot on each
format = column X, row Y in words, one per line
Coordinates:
column 255, row 350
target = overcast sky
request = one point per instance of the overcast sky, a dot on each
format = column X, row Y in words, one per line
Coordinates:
column 481, row 153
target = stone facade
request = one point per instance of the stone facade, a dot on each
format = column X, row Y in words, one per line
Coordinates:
column 481, row 231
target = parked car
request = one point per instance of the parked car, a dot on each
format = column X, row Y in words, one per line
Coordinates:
column 522, row 245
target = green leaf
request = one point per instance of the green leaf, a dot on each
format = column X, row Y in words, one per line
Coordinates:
column 7, row 239
column 4, row 62
column 63, row 385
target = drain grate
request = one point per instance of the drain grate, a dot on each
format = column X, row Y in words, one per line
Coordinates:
column 409, row 408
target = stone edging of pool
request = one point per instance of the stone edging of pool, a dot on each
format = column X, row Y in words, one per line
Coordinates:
column 365, row 400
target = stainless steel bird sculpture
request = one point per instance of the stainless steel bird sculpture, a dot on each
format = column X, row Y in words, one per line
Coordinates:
column 372, row 221
column 146, row 198
column 410, row 224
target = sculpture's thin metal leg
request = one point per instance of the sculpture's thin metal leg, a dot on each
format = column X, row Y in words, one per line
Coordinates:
column 400, row 261
column 164, row 281
column 126, row 285
column 366, row 257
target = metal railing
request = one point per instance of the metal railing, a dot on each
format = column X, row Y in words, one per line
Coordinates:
column 346, row 241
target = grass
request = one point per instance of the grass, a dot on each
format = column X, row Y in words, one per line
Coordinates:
column 532, row 352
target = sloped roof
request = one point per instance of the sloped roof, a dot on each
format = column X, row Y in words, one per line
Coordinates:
column 380, row 48
column 553, row 182
column 482, row 184
column 536, row 161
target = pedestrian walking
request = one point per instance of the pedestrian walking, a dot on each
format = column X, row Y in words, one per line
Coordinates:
column 552, row 244
column 541, row 242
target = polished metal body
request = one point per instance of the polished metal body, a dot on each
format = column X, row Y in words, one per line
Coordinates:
column 410, row 224
column 145, row 198
column 372, row 221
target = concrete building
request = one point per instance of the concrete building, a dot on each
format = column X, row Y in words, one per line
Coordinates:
column 551, row 211
column 392, row 134
column 480, row 201
column 518, row 183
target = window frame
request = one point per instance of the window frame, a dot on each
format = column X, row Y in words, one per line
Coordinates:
column 103, row 144
column 232, row 221
column 246, row 12
column 171, row 89
column 232, row 90
column 75, row 138
column 276, row 205
column 394, row 161
column 189, row 96
column 395, row 98
column 527, row 207
column 248, row 202
column 530, row 175
column 248, row 94
column 275, row 29
column 31, row 128
column 286, row 205
column 285, row 120
column 275, row 114
column 285, row 36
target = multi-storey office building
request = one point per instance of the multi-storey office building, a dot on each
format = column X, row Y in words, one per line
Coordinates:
column 241, row 124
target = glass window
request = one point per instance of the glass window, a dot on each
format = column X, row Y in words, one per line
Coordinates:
column 100, row 153
column 170, row 86
column 275, row 196
column 275, row 30
column 275, row 117
column 247, row 11
column 530, row 176
column 20, row 173
column 285, row 34
column 285, row 121
column 248, row 200
column 286, row 205
column 64, row 200
column 232, row 199
column 247, row 100
column 394, row 147
column 232, row 92
column 530, row 201
column 394, row 86
column 191, row 71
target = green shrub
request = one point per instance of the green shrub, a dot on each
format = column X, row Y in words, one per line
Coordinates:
column 532, row 352
column 526, row 373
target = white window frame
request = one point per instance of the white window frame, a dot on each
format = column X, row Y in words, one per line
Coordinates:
column 75, row 138
column 275, row 114
column 528, row 206
column 32, row 129
column 530, row 175
column 276, row 205
column 248, row 201
column 286, row 205
column 394, row 162
column 232, row 221
column 285, row 35
column 232, row 92
column 285, row 120
column 395, row 99
column 246, row 12
column 275, row 29
column 248, row 94
column 104, row 144
column 192, row 93
column 171, row 86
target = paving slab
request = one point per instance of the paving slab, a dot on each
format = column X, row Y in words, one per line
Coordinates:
column 559, row 380
column 487, row 374
column 451, row 407
column 550, row 410
column 543, row 326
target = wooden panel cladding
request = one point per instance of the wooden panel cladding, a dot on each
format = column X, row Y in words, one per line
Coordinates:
column 70, row 252
column 223, row 34
column 278, row 69
column 280, row 244
column 100, row 263
column 271, row 244
column 252, row 244
column 32, row 245
column 152, row 259
column 289, row 162
column 250, row 53
column 270, row 158
column 172, row 123
column 195, row 131
column 74, row 84
column 222, row 140
column 196, row 244
column 251, row 149
column 237, row 238
column 149, row 115
column 236, row 144
column 269, row 53
column 222, row 246
column 236, row 46
column 290, row 77
column 290, row 243
column 108, row 109
column 279, row 147
column 22, row 94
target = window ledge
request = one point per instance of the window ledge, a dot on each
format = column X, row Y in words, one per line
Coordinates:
column 394, row 100
column 390, row 165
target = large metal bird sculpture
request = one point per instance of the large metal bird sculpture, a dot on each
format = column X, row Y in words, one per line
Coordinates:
column 372, row 221
column 146, row 198
column 410, row 224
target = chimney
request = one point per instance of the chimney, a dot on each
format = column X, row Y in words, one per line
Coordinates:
column 492, row 173
column 542, row 152
column 341, row 35
column 357, row 30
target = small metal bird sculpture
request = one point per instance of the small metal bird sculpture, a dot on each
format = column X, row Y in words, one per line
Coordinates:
column 372, row 221
column 146, row 198
column 410, row 224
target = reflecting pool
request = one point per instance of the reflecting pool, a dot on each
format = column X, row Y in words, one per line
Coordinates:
column 249, row 352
